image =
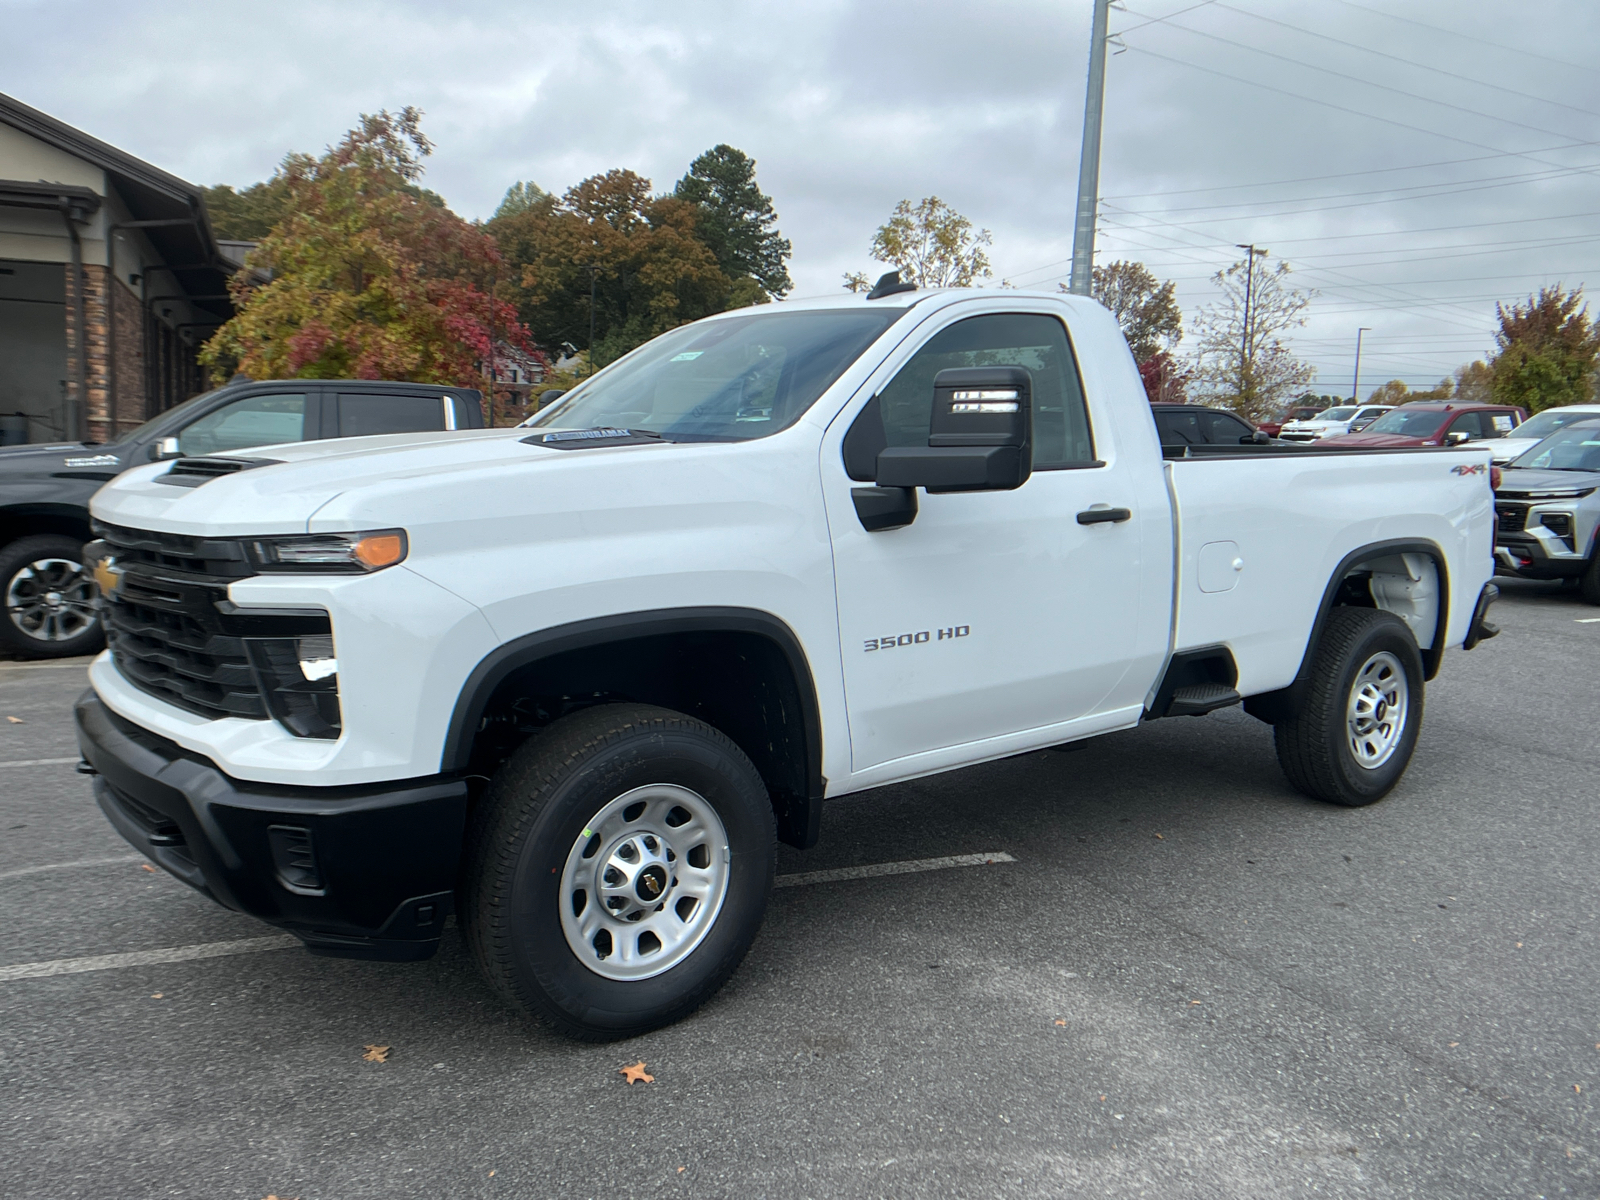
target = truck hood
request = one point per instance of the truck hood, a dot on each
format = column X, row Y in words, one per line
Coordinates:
column 1507, row 448
column 296, row 479
column 1520, row 482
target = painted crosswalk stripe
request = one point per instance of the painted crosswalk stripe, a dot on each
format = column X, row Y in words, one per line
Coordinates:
column 908, row 867
column 144, row 958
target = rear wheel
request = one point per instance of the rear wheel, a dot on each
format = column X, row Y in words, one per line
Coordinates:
column 49, row 599
column 1354, row 734
column 618, row 870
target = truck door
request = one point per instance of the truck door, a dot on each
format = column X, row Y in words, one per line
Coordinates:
column 992, row 613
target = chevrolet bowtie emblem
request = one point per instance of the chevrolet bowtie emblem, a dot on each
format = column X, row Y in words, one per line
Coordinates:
column 109, row 576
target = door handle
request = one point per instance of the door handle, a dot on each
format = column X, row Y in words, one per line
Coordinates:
column 1103, row 516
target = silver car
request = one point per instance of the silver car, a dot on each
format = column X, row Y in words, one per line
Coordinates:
column 1548, row 509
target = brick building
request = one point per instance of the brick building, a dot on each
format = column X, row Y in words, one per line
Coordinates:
column 110, row 279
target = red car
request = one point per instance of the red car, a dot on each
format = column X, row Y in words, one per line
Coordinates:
column 1295, row 412
column 1432, row 423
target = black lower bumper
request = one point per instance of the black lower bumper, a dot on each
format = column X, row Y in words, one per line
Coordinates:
column 1530, row 560
column 355, row 872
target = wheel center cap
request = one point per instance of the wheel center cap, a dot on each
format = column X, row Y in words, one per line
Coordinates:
column 53, row 599
column 651, row 883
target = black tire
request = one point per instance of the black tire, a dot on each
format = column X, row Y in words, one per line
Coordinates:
column 526, row 831
column 31, row 627
column 1316, row 745
column 1589, row 581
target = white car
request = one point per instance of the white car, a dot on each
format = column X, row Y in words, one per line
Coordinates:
column 571, row 681
column 1349, row 418
column 1538, row 427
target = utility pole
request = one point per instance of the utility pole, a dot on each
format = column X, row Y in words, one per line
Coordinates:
column 594, row 273
column 1246, row 340
column 1355, row 382
column 1089, row 162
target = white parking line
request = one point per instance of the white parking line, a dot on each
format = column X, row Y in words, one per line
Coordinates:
column 909, row 866
column 41, row 762
column 1588, row 620
column 144, row 958
column 81, row 664
column 18, row 872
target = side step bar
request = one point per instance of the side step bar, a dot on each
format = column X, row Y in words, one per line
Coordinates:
column 1198, row 699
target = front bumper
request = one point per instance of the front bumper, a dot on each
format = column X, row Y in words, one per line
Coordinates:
column 1530, row 558
column 354, row 872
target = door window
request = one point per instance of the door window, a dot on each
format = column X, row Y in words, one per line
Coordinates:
column 361, row 415
column 1179, row 428
column 1224, row 430
column 1470, row 424
column 252, row 421
column 1036, row 342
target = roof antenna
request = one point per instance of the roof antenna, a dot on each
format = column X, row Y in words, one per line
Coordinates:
column 889, row 285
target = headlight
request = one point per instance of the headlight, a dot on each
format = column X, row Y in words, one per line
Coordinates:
column 348, row 553
column 300, row 678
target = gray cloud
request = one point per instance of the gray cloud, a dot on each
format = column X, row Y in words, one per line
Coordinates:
column 849, row 107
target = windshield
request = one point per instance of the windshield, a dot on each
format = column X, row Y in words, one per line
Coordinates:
column 1551, row 420
column 1576, row 448
column 725, row 380
column 1413, row 423
column 162, row 418
column 1337, row 414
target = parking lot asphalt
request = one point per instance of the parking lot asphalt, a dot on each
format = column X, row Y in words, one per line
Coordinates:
column 1191, row 982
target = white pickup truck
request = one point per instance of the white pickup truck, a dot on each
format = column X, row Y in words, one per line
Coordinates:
column 570, row 681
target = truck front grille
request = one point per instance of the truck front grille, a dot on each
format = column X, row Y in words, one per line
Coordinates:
column 1513, row 517
column 172, row 632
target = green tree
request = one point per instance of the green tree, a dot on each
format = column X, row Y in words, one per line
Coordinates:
column 1146, row 309
column 643, row 256
column 370, row 278
column 1244, row 364
column 523, row 197
column 737, row 222
column 248, row 215
column 1546, row 351
column 931, row 245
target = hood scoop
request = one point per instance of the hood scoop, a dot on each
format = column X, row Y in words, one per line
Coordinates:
column 192, row 472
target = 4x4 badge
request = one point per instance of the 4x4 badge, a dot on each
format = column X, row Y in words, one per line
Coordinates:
column 1469, row 469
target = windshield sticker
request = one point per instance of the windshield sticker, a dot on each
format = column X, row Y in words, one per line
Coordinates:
column 686, row 356
column 1502, row 422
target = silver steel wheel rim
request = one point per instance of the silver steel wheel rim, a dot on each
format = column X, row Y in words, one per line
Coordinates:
column 51, row 599
column 644, row 882
column 1376, row 716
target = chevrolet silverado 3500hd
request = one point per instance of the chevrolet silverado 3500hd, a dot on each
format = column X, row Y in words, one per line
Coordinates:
column 570, row 681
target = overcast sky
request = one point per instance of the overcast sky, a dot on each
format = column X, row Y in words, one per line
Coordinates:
column 1413, row 160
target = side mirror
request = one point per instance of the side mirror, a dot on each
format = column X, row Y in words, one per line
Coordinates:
column 1456, row 437
column 1259, row 438
column 164, row 449
column 550, row 397
column 979, row 440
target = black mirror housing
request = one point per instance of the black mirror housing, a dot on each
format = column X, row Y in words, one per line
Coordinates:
column 980, row 437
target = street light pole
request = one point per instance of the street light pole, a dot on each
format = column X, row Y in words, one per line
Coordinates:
column 1089, row 159
column 1355, row 382
column 1246, row 341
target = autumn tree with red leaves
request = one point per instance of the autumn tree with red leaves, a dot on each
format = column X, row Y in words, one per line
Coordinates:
column 364, row 277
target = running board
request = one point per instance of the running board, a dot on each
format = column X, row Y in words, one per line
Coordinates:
column 1199, row 699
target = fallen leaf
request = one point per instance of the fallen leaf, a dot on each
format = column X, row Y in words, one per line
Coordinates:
column 147, row 867
column 681, row 1170
column 1060, row 1021
column 155, row 995
column 1453, row 1045
column 15, row 720
column 1102, row 1098
column 1194, row 1002
column 636, row 1074
column 491, row 1174
column 1577, row 1089
column 376, row 1053
column 1160, row 837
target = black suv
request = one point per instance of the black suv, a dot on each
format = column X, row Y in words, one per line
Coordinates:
column 48, row 597
column 1195, row 425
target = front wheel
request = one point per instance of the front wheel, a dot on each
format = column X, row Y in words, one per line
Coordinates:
column 49, row 598
column 1354, row 734
column 1589, row 581
column 618, row 870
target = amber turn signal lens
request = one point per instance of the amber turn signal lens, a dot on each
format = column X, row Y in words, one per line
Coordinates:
column 381, row 550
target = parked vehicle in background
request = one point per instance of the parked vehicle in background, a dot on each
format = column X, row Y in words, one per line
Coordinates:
column 1548, row 505
column 1331, row 422
column 1536, row 428
column 1196, row 425
column 45, row 489
column 1295, row 412
column 1432, row 423
column 572, row 681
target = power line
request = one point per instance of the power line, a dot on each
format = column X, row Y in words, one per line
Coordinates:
column 1420, row 66
column 1384, row 87
column 1468, row 37
column 1159, row 20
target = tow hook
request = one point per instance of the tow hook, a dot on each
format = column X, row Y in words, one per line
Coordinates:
column 83, row 768
column 1482, row 629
